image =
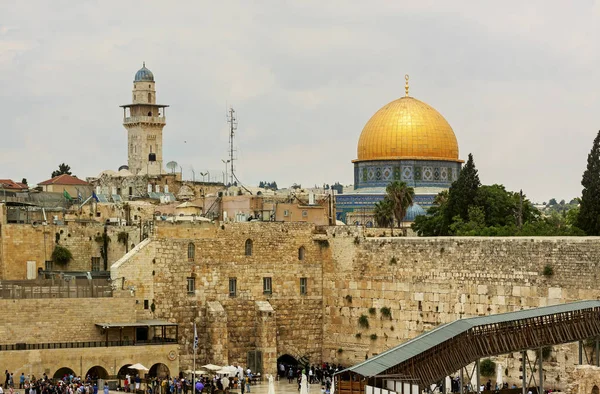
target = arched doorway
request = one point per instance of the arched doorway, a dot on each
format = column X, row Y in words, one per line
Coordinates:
column 159, row 370
column 290, row 366
column 595, row 390
column 62, row 372
column 97, row 372
column 124, row 371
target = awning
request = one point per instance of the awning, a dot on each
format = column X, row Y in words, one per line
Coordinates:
column 141, row 323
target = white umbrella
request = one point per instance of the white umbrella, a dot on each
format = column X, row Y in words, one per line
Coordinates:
column 201, row 372
column 211, row 367
column 223, row 371
column 139, row 367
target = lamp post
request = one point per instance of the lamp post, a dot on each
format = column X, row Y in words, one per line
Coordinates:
column 225, row 162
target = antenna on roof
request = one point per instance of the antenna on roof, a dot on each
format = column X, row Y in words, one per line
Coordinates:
column 232, row 120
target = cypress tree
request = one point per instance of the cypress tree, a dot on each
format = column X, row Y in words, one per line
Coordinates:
column 463, row 191
column 589, row 209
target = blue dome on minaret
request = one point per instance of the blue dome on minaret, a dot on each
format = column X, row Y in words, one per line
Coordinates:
column 144, row 74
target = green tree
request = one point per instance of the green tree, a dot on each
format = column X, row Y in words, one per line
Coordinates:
column 401, row 196
column 62, row 169
column 61, row 255
column 463, row 191
column 384, row 213
column 589, row 210
column 552, row 202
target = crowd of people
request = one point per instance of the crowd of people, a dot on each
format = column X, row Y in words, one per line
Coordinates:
column 69, row 384
column 316, row 374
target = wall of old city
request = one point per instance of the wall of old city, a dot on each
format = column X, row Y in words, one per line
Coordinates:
column 21, row 243
column 251, row 318
column 430, row 281
column 61, row 319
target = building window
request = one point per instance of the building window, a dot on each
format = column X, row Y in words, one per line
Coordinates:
column 191, row 285
column 191, row 251
column 146, row 304
column 286, row 212
column 301, row 252
column 304, row 213
column 95, row 263
column 303, row 286
column 248, row 247
column 267, row 286
column 49, row 266
column 149, row 97
column 232, row 287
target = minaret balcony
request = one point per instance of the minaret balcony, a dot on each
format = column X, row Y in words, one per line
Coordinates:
column 145, row 119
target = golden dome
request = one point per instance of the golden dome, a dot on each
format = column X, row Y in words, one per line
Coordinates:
column 407, row 129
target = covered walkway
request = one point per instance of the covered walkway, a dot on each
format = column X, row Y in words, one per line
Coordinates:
column 447, row 349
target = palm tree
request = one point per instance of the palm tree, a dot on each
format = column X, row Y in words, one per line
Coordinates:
column 401, row 196
column 384, row 214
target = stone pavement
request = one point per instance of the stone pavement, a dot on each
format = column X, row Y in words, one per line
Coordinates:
column 281, row 387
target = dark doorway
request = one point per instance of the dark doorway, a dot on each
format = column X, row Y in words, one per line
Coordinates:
column 97, row 372
column 141, row 334
column 62, row 372
column 159, row 370
column 290, row 366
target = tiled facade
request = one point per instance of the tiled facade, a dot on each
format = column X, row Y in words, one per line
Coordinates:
column 416, row 173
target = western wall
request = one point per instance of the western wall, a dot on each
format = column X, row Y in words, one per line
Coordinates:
column 420, row 283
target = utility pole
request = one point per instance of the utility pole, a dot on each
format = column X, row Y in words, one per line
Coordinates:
column 232, row 120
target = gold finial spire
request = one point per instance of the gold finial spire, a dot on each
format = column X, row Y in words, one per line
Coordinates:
column 406, row 85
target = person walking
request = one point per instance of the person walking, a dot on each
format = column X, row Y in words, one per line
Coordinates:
column 106, row 388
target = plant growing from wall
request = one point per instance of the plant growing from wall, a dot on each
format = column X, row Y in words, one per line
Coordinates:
column 61, row 255
column 372, row 311
column 487, row 367
column 340, row 351
column 363, row 321
column 393, row 261
column 548, row 270
column 358, row 335
column 123, row 238
column 373, row 337
column 386, row 312
column 349, row 298
column 546, row 352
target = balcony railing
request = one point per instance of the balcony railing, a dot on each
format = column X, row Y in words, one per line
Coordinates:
column 75, row 345
column 145, row 119
column 55, row 288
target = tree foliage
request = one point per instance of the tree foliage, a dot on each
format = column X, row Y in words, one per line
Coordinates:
column 62, row 169
column 487, row 367
column 401, row 196
column 61, row 255
column 463, row 191
column 589, row 212
column 384, row 213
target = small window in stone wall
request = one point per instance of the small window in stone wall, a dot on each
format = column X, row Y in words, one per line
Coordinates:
column 146, row 304
column 301, row 252
column 248, row 247
column 191, row 251
column 191, row 285
column 49, row 266
column 232, row 287
column 303, row 286
column 267, row 286
column 95, row 264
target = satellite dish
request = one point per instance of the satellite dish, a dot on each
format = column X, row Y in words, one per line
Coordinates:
column 172, row 165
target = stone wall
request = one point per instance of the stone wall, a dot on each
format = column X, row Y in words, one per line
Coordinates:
column 111, row 359
column 430, row 281
column 20, row 243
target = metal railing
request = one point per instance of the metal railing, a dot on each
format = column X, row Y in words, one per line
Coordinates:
column 55, row 288
column 145, row 119
column 77, row 345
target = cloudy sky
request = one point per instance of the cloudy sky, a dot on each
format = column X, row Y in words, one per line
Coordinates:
column 518, row 81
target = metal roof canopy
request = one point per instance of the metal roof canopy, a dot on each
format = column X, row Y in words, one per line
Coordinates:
column 141, row 323
column 447, row 348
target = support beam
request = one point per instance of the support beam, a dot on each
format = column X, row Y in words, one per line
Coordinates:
column 524, row 368
column 541, row 372
column 462, row 381
column 478, row 377
column 597, row 352
column 580, row 352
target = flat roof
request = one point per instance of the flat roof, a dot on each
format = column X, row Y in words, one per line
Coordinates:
column 413, row 347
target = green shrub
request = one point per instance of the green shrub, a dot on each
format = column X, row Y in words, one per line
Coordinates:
column 548, row 270
column 487, row 367
column 61, row 255
column 386, row 312
column 372, row 311
column 349, row 298
column 393, row 261
column 373, row 337
column 340, row 351
column 358, row 335
column 363, row 321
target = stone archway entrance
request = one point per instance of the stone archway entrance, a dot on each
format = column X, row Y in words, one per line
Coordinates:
column 62, row 372
column 595, row 390
column 124, row 371
column 290, row 365
column 97, row 372
column 159, row 370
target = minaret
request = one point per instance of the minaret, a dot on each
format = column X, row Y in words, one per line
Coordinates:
column 144, row 121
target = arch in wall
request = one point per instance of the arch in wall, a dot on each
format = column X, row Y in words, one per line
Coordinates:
column 97, row 372
column 124, row 370
column 301, row 253
column 61, row 372
column 159, row 370
column 595, row 390
column 248, row 247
